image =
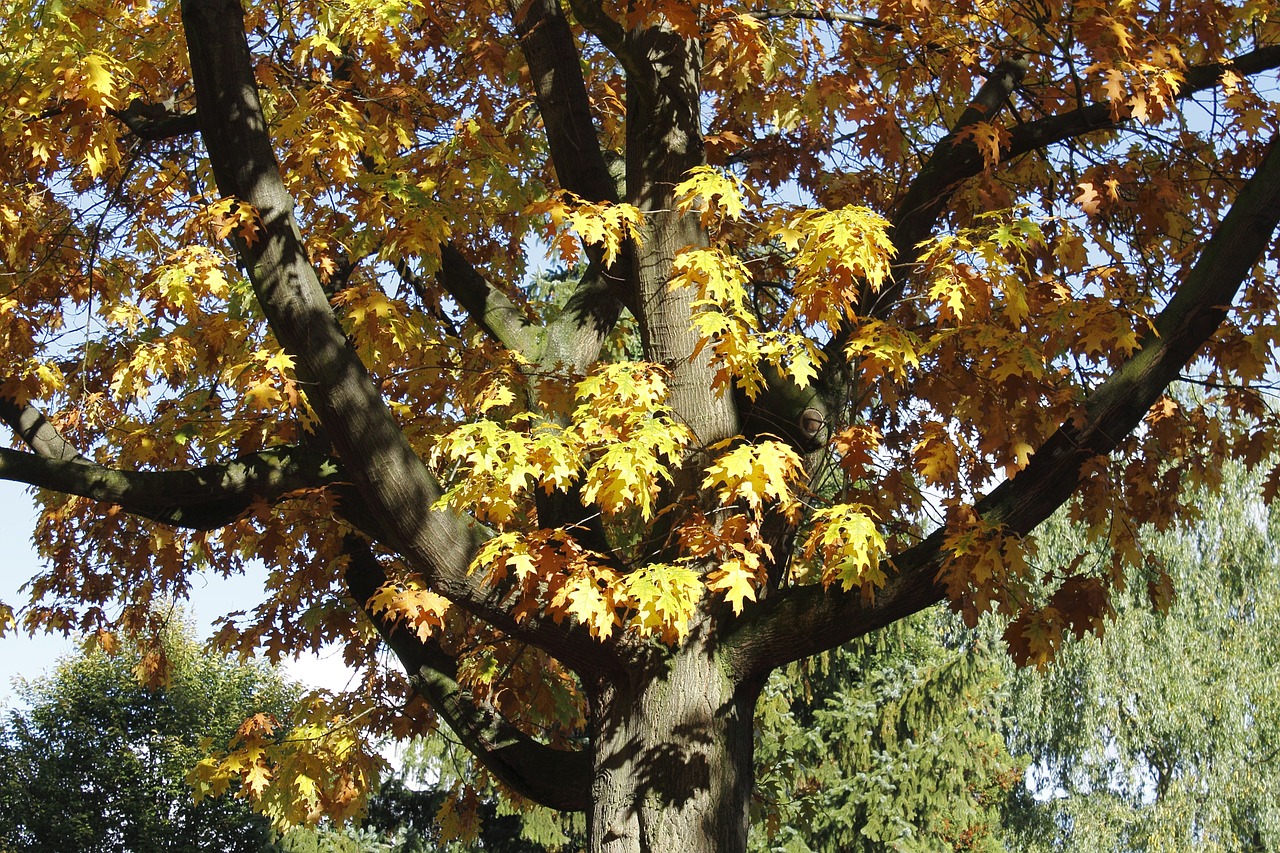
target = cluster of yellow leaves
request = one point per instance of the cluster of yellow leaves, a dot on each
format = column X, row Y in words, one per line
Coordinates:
column 230, row 216
column 574, row 222
column 882, row 348
column 756, row 475
column 734, row 547
column 322, row 766
column 619, row 445
column 721, row 194
column 562, row 580
column 559, row 578
column 411, row 604
column 726, row 323
column 849, row 548
column 751, row 477
column 836, row 255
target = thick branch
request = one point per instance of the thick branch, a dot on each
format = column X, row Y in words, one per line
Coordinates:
column 806, row 620
column 154, row 122
column 30, row 425
column 555, row 65
column 1100, row 116
column 388, row 474
column 559, row 779
column 591, row 14
column 487, row 305
column 202, row 498
column 199, row 498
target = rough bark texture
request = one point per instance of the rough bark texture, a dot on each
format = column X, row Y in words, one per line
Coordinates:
column 672, row 756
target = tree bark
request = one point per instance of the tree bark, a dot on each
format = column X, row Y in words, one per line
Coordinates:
column 672, row 756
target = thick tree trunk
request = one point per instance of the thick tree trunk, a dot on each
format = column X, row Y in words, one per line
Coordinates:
column 672, row 757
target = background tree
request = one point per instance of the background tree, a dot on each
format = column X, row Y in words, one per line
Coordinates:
column 96, row 762
column 880, row 260
column 893, row 743
column 1162, row 735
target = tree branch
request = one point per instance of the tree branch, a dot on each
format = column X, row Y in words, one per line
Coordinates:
column 30, row 425
column 555, row 65
column 501, row 319
column 806, row 620
column 556, row 778
column 591, row 14
column 1035, row 135
column 154, row 122
column 955, row 161
column 390, row 477
column 918, row 211
column 199, row 498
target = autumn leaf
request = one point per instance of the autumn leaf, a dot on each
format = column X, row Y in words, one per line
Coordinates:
column 737, row 581
column 756, row 474
column 1089, row 201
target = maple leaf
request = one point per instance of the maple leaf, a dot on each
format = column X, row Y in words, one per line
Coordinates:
column 737, row 580
column 988, row 138
column 256, row 778
column 1161, row 592
column 935, row 455
column 756, row 474
column 1034, row 637
column 722, row 194
column 1089, row 201
column 850, row 546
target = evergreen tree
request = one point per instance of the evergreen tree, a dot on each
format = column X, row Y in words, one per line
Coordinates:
column 893, row 742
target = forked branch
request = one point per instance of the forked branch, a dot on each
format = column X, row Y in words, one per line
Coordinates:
column 806, row 620
column 556, row 778
column 386, row 471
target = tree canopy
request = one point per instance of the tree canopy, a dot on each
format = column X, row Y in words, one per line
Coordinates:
column 855, row 297
column 97, row 763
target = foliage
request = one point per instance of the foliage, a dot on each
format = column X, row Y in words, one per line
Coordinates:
column 906, row 277
column 893, row 743
column 94, row 761
column 1161, row 735
column 440, row 799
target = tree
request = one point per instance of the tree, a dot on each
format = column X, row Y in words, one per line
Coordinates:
column 96, row 762
column 265, row 300
column 1162, row 735
column 895, row 742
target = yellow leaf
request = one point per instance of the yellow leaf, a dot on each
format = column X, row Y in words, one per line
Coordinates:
column 720, row 192
column 756, row 474
column 736, row 580
column 100, row 85
column 849, row 545
column 256, row 778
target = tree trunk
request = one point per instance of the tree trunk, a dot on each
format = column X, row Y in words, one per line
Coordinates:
column 672, row 757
